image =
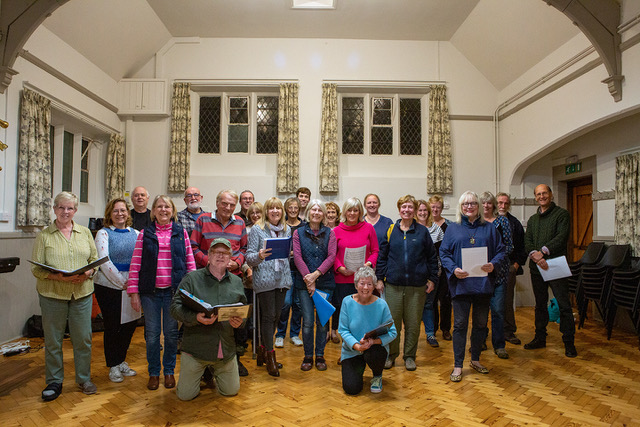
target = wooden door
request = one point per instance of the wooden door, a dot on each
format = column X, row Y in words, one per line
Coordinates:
column 581, row 211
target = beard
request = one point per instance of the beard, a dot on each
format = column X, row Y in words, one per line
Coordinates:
column 194, row 205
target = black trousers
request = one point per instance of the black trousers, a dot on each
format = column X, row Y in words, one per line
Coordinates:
column 560, row 290
column 270, row 304
column 353, row 368
column 342, row 290
column 117, row 336
column 442, row 316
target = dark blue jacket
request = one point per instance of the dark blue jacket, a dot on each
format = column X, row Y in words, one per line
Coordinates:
column 460, row 235
column 408, row 259
column 149, row 261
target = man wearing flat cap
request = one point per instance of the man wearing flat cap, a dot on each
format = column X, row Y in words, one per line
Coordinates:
column 208, row 343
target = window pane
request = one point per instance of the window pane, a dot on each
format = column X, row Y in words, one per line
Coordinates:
column 267, row 120
column 238, row 110
column 410, row 127
column 84, row 172
column 209, row 132
column 353, row 125
column 238, row 102
column 381, row 140
column 67, row 162
column 238, row 139
column 382, row 103
column 381, row 117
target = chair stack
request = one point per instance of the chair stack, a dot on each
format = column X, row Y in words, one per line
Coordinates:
column 592, row 255
column 625, row 294
column 595, row 280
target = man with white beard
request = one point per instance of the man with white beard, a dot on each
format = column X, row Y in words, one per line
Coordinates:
column 188, row 217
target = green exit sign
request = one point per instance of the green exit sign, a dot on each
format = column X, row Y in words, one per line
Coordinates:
column 572, row 168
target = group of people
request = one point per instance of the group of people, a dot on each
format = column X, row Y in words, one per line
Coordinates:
column 381, row 276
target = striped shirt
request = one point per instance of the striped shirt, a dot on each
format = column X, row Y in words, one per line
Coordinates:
column 163, row 273
column 208, row 228
column 54, row 249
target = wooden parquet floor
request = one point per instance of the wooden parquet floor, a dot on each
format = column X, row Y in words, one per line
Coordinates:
column 600, row 387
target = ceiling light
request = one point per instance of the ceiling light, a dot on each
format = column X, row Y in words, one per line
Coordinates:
column 313, row 4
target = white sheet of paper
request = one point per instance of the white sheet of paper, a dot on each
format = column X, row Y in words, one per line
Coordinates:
column 473, row 259
column 354, row 258
column 127, row 313
column 558, row 269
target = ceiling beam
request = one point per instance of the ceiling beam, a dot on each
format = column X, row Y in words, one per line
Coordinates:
column 599, row 21
column 18, row 20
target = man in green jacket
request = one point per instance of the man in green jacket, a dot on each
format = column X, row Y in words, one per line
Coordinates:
column 208, row 342
column 546, row 237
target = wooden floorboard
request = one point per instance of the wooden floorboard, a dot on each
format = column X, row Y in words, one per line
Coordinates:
column 601, row 387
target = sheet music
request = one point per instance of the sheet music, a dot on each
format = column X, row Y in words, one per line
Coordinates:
column 354, row 258
column 127, row 313
column 558, row 269
column 473, row 259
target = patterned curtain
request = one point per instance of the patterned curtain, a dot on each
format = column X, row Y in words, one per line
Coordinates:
column 180, row 146
column 628, row 201
column 34, row 161
column 115, row 167
column 288, row 139
column 329, row 139
column 439, row 164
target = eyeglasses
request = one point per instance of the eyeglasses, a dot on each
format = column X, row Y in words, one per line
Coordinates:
column 220, row 253
column 192, row 196
column 470, row 204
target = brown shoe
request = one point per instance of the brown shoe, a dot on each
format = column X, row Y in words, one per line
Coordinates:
column 334, row 337
column 307, row 364
column 154, row 382
column 446, row 335
column 261, row 357
column 272, row 365
column 321, row 364
column 169, row 381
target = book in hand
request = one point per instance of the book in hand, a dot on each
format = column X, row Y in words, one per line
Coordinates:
column 380, row 330
column 280, row 247
column 75, row 272
column 224, row 311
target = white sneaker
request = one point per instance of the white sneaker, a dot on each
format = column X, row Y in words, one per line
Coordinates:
column 376, row 384
column 126, row 370
column 115, row 375
column 279, row 342
column 296, row 341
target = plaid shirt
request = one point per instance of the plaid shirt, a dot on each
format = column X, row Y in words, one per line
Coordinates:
column 185, row 218
column 209, row 228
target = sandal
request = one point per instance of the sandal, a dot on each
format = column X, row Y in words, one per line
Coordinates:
column 479, row 368
column 56, row 388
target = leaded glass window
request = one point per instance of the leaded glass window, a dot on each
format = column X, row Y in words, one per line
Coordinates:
column 67, row 162
column 410, row 127
column 353, row 125
column 209, row 132
column 238, row 126
column 382, row 126
column 84, row 172
column 267, row 125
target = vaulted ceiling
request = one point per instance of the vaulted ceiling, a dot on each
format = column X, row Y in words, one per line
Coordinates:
column 502, row 38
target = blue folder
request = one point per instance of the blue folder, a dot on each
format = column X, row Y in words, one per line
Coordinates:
column 323, row 307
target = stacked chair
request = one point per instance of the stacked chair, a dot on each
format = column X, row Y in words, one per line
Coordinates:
column 592, row 255
column 625, row 294
column 595, row 281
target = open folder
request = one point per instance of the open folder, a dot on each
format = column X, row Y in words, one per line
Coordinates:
column 77, row 271
column 323, row 307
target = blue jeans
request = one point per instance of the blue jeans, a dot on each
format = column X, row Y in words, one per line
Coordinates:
column 157, row 318
column 428, row 315
column 461, row 308
column 308, row 318
column 291, row 304
column 497, row 317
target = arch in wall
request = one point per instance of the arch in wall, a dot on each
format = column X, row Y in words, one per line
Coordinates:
column 519, row 171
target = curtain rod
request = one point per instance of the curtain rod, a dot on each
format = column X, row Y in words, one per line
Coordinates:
column 72, row 111
column 229, row 82
column 385, row 83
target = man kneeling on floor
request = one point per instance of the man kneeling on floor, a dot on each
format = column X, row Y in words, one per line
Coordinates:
column 206, row 341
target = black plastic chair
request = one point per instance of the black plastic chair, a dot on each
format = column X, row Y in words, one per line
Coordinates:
column 595, row 280
column 625, row 294
column 591, row 255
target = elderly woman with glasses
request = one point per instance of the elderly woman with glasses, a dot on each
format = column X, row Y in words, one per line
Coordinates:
column 470, row 287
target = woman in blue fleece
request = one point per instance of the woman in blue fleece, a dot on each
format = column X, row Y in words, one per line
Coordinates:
column 361, row 313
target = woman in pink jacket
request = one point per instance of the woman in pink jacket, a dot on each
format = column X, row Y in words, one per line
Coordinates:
column 352, row 234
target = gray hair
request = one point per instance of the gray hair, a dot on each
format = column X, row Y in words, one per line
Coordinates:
column 320, row 204
column 229, row 192
column 365, row 272
column 66, row 196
